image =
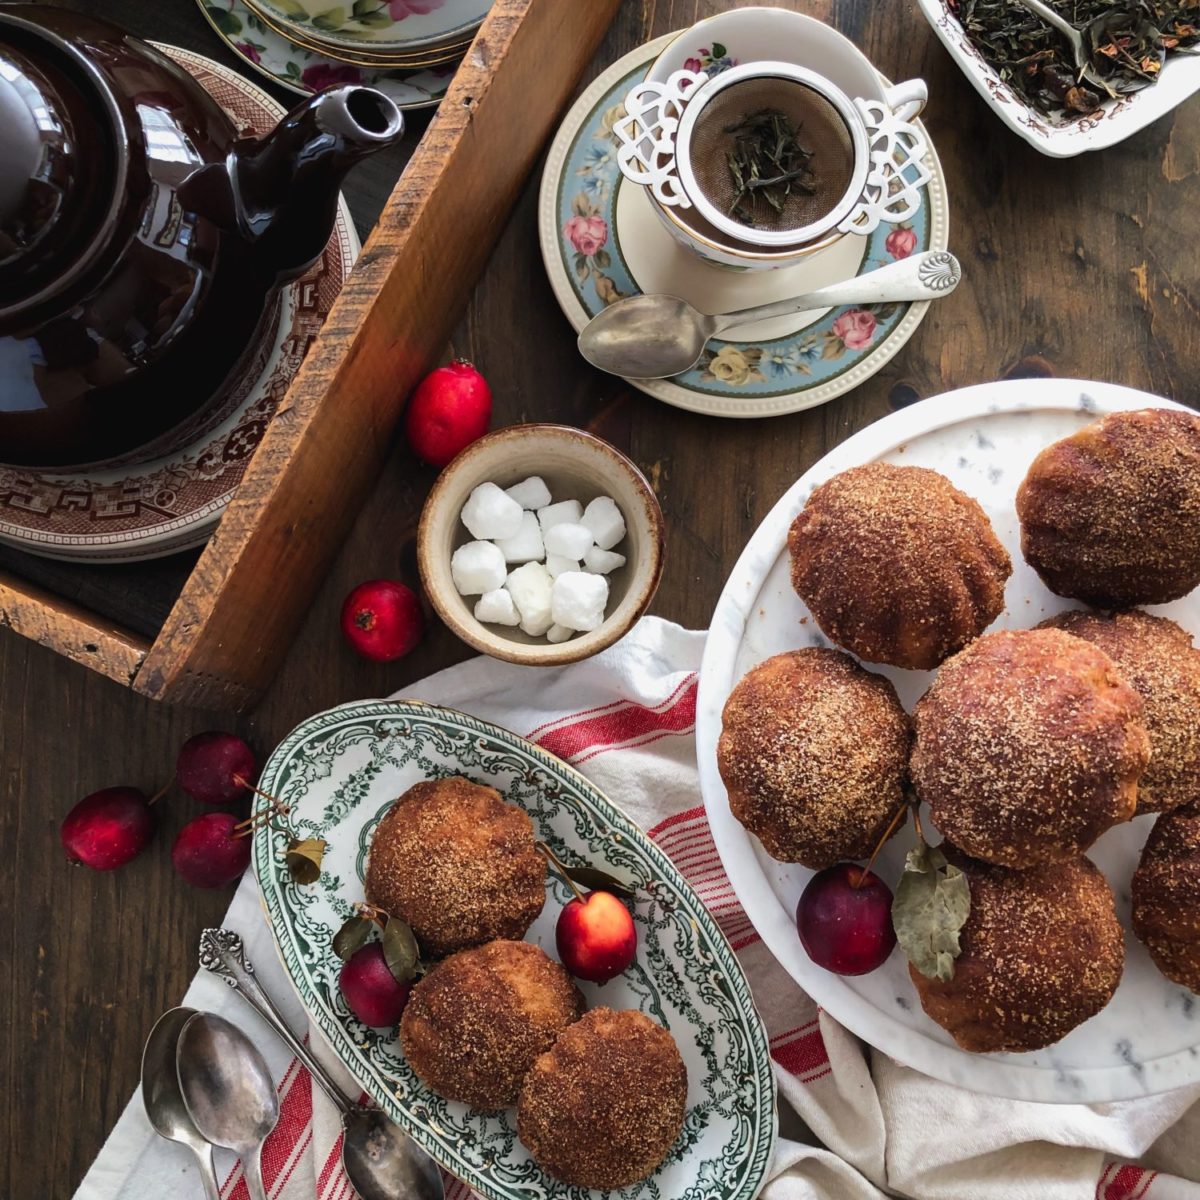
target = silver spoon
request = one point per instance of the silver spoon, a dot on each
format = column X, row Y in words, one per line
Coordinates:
column 656, row 336
column 164, row 1101
column 228, row 1090
column 379, row 1160
column 1079, row 50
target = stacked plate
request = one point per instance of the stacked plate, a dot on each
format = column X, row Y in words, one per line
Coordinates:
column 406, row 48
column 377, row 33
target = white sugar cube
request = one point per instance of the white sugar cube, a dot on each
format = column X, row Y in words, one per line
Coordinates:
column 476, row 568
column 569, row 539
column 526, row 545
column 601, row 562
column 531, row 590
column 559, row 514
column 604, row 521
column 489, row 513
column 578, row 600
column 497, row 608
column 531, row 493
column 559, row 633
column 556, row 564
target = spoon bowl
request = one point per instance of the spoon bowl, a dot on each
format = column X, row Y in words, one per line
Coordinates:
column 163, row 1099
column 657, row 336
column 228, row 1090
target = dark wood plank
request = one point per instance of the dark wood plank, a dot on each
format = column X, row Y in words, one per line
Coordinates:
column 1079, row 266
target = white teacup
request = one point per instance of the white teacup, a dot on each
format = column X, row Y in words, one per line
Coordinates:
column 748, row 35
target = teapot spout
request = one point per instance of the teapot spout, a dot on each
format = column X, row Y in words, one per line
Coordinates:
column 285, row 186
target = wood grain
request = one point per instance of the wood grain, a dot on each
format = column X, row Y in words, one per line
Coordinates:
column 233, row 622
column 1079, row 267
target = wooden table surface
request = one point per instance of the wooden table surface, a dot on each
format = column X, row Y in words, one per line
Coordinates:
column 1085, row 267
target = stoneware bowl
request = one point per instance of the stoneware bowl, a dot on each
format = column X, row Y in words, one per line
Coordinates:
column 575, row 466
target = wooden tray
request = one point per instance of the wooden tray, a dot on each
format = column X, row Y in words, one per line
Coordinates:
column 240, row 606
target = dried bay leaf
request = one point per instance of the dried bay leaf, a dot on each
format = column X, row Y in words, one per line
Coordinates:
column 400, row 950
column 352, row 936
column 303, row 859
column 931, row 905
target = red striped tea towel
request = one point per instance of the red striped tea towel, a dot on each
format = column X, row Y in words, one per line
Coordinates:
column 854, row 1125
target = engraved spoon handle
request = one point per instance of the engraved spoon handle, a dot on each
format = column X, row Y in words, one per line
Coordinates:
column 925, row 276
column 1059, row 22
column 223, row 954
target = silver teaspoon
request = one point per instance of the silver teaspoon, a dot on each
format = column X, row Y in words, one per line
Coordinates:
column 1079, row 50
column 228, row 1090
column 656, row 336
column 163, row 1099
column 380, row 1161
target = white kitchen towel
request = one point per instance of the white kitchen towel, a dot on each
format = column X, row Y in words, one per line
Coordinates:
column 854, row 1124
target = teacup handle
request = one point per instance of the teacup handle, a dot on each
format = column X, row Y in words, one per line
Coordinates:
column 907, row 100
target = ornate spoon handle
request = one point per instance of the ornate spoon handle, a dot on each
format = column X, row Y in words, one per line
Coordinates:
column 925, row 276
column 222, row 953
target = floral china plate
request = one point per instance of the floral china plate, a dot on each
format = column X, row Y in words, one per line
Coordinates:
column 1147, row 1039
column 173, row 503
column 340, row 771
column 601, row 240
column 305, row 71
column 381, row 25
column 1058, row 137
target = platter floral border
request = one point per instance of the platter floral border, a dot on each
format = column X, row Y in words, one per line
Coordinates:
column 677, row 935
column 592, row 259
column 1062, row 137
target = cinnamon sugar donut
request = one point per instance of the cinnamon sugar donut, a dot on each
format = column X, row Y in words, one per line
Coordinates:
column 458, row 864
column 1166, row 896
column 897, row 565
column 1111, row 514
column 1029, row 745
column 1158, row 660
column 813, row 752
column 603, row 1107
column 1042, row 951
column 477, row 1021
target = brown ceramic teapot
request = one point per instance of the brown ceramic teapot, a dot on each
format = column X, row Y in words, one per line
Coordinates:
column 142, row 243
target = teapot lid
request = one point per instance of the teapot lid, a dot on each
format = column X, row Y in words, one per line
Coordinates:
column 60, row 170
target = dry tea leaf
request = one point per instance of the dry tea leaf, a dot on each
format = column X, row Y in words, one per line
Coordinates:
column 304, row 859
column 400, row 950
column 352, row 936
column 931, row 905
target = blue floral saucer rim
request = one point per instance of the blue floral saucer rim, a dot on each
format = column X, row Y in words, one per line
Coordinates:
column 582, row 252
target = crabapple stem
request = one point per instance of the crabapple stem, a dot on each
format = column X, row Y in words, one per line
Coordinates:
column 552, row 859
column 256, row 820
column 162, row 791
column 879, row 845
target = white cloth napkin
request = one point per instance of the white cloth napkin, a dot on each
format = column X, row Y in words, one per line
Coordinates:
column 855, row 1125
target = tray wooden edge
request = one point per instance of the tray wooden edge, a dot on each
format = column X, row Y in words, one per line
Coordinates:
column 70, row 630
column 233, row 622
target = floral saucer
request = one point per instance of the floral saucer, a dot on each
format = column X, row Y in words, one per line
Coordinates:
column 304, row 71
column 150, row 509
column 340, row 771
column 601, row 240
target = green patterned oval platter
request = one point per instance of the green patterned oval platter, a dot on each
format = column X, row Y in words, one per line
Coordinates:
column 340, row 771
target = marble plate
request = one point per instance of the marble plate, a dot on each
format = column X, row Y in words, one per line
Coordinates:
column 341, row 770
column 983, row 439
column 173, row 502
column 601, row 240
column 305, row 71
